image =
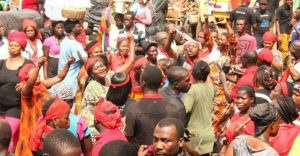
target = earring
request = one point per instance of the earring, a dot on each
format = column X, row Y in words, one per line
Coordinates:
column 55, row 125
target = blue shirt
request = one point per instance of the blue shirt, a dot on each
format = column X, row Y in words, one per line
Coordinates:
column 71, row 48
column 294, row 33
column 73, row 126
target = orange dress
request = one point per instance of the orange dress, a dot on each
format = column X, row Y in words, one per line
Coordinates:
column 31, row 111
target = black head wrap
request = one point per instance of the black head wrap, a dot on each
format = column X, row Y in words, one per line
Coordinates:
column 263, row 115
column 286, row 109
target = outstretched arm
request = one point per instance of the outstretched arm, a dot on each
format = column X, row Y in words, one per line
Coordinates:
column 28, row 87
column 60, row 76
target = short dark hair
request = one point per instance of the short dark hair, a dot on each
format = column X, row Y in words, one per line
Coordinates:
column 251, row 57
column 129, row 13
column 201, row 71
column 175, row 74
column 118, row 148
column 152, row 77
column 69, row 25
column 5, row 133
column 59, row 140
column 167, row 122
column 119, row 95
column 242, row 18
column 54, row 23
column 249, row 90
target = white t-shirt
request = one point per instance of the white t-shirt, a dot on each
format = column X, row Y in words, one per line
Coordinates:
column 4, row 49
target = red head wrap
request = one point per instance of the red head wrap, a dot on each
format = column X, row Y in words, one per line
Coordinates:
column 121, row 39
column 266, row 55
column 18, row 37
column 121, row 84
column 90, row 51
column 57, row 109
column 23, row 74
column 90, row 63
column 269, row 36
column 29, row 23
column 108, row 114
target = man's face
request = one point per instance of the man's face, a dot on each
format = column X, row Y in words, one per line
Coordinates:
column 200, row 38
column 184, row 84
column 77, row 29
column 128, row 21
column 288, row 2
column 119, row 21
column 240, row 26
column 263, row 6
column 192, row 50
column 165, row 141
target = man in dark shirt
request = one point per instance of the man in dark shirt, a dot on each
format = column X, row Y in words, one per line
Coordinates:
column 264, row 20
column 283, row 17
column 283, row 26
column 143, row 116
column 179, row 81
column 244, row 11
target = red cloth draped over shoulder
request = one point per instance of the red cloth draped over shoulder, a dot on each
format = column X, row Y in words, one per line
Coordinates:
column 248, row 128
column 31, row 111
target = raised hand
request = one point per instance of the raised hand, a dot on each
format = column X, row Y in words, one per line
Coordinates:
column 70, row 60
column 41, row 61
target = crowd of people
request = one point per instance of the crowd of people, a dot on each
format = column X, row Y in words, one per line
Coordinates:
column 144, row 87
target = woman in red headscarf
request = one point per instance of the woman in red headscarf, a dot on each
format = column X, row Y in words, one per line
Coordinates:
column 123, row 60
column 108, row 120
column 93, row 49
column 269, row 40
column 34, row 48
column 55, row 116
column 10, row 103
column 33, row 95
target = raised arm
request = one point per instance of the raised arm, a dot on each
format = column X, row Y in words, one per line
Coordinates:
column 127, row 66
column 28, row 87
column 60, row 76
column 46, row 55
column 167, row 46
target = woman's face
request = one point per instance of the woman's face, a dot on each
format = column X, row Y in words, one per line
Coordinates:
column 96, row 52
column 276, row 92
column 152, row 53
column 243, row 101
column 14, row 48
column 222, row 40
column 124, row 48
column 268, row 44
column 30, row 32
column 59, row 29
column 63, row 122
column 99, row 70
